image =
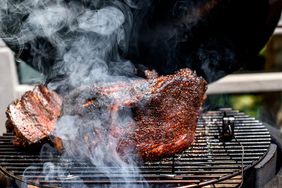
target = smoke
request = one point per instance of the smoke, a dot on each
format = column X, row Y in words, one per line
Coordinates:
column 81, row 42
column 113, row 18
column 212, row 56
column 65, row 36
column 3, row 4
column 164, row 36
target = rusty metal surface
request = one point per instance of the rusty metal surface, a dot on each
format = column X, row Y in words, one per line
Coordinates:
column 208, row 162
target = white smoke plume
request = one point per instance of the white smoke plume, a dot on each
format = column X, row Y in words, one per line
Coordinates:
column 87, row 38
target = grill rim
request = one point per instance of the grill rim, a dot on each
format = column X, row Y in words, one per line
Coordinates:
column 209, row 182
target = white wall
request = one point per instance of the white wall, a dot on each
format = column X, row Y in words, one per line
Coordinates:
column 8, row 81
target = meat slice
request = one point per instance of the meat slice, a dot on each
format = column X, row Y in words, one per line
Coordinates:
column 164, row 112
column 34, row 116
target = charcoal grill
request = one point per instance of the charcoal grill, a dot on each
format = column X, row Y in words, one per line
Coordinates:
column 210, row 161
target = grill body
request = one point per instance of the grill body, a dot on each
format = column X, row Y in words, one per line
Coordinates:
column 209, row 161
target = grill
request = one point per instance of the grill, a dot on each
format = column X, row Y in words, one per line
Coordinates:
column 211, row 161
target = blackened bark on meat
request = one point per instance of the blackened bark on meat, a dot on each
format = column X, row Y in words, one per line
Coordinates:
column 164, row 112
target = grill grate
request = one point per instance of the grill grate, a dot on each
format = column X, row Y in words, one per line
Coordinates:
column 209, row 161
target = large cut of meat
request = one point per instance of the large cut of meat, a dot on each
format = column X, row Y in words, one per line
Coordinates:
column 164, row 109
column 34, row 116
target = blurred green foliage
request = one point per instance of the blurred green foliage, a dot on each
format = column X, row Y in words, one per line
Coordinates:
column 250, row 104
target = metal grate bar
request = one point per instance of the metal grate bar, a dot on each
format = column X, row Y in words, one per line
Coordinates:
column 209, row 162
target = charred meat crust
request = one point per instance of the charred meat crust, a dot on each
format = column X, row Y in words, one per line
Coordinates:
column 164, row 109
column 166, row 122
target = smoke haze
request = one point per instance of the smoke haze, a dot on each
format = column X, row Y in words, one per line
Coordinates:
column 86, row 39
